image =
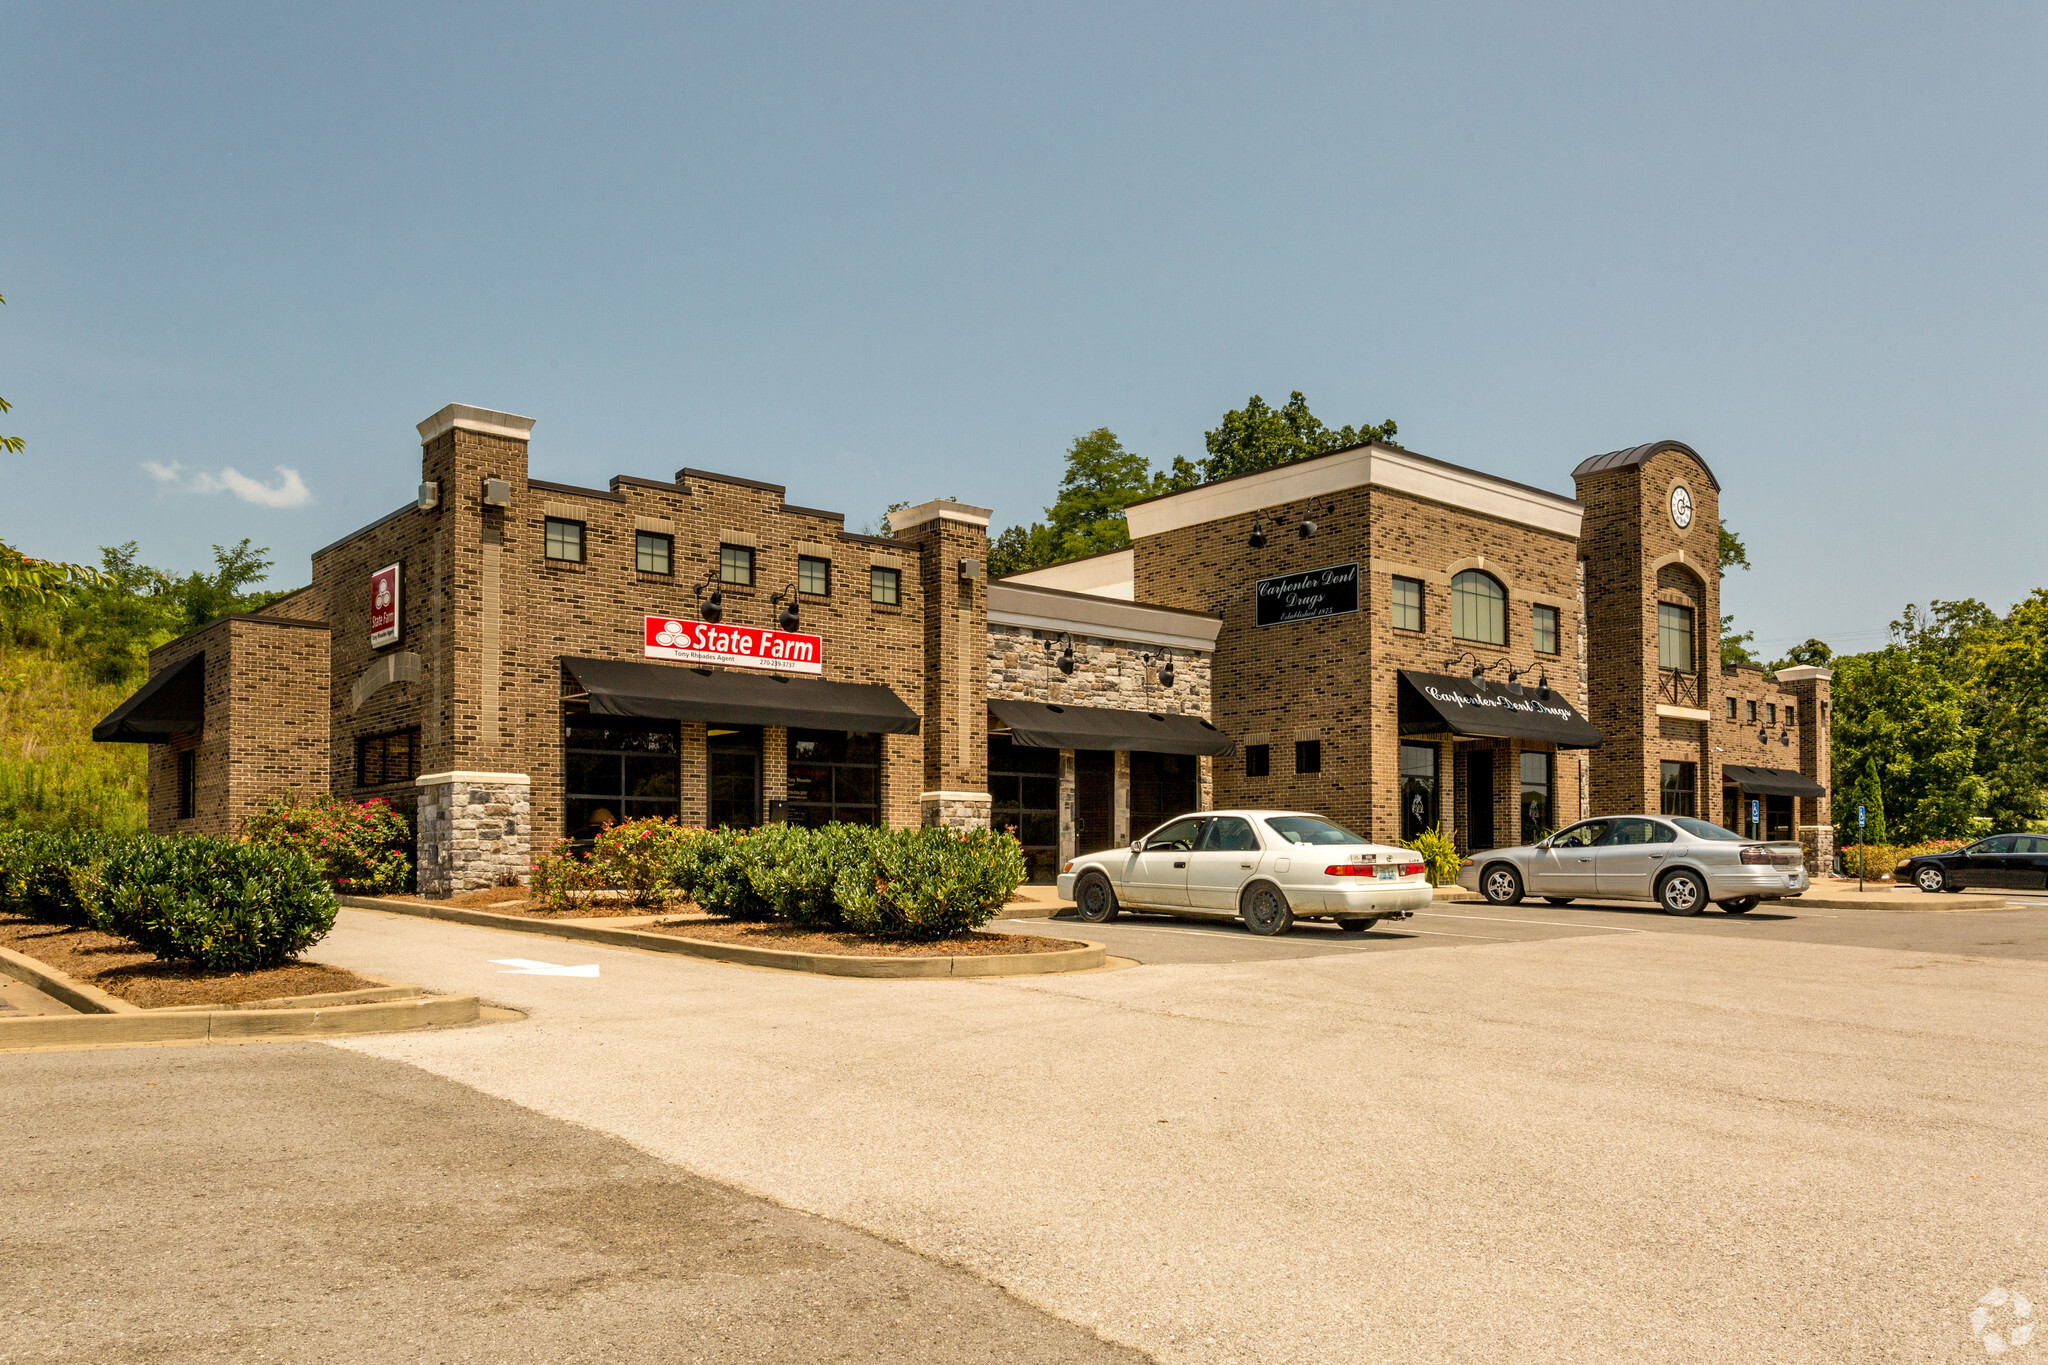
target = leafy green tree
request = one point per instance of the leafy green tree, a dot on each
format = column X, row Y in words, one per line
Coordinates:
column 2013, row 748
column 1733, row 553
column 1814, row 653
column 1865, row 794
column 1101, row 479
column 1258, row 436
column 13, row 445
column 1899, row 714
column 1735, row 649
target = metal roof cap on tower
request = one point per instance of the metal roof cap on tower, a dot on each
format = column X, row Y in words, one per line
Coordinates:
column 1635, row 455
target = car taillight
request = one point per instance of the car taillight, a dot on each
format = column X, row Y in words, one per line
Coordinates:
column 1755, row 856
column 1351, row 870
column 1412, row 869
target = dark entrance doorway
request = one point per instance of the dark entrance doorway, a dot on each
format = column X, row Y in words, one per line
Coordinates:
column 1094, row 800
column 1162, row 786
column 1479, row 800
column 1025, row 785
column 735, row 776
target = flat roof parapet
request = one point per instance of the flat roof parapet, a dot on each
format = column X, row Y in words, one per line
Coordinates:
column 489, row 421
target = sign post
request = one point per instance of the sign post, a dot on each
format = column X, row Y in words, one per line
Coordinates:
column 1756, row 819
column 1862, row 849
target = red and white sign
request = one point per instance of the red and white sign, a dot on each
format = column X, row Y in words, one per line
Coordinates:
column 702, row 642
column 384, row 607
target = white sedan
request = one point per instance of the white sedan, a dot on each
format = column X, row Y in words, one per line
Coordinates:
column 1266, row 867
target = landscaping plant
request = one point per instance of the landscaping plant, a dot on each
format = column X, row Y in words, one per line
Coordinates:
column 562, row 880
column 47, row 875
column 1438, row 852
column 215, row 904
column 928, row 884
column 359, row 847
column 639, row 856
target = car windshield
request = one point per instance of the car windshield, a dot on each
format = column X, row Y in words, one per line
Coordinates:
column 1700, row 829
column 1307, row 829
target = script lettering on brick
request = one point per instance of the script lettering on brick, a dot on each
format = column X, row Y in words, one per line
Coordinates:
column 705, row 642
column 1306, row 596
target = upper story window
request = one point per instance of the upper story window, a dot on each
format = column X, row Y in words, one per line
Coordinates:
column 1770, row 713
column 1258, row 760
column 1752, row 713
column 814, row 576
column 654, row 552
column 565, row 540
column 1543, row 629
column 1407, row 601
column 1674, row 637
column 885, row 586
column 1308, row 755
column 736, row 565
column 386, row 758
column 1479, row 608
column 1788, row 714
column 1731, row 708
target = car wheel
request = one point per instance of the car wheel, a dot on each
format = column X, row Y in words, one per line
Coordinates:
column 1502, row 885
column 1931, row 878
column 1356, row 926
column 1681, row 893
column 1265, row 910
column 1741, row 905
column 1094, row 902
column 1559, row 900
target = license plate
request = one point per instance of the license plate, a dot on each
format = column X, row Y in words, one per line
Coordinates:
column 1387, row 872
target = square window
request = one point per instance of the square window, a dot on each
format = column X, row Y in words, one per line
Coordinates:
column 1258, row 760
column 736, row 565
column 1308, row 755
column 1407, row 604
column 654, row 552
column 814, row 576
column 1543, row 629
column 885, row 586
column 565, row 540
column 1731, row 708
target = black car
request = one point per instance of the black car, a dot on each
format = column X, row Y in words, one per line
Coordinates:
column 2004, row 862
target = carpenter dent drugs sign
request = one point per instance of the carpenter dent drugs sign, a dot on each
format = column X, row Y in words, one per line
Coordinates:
column 1305, row 596
column 384, row 605
column 703, row 642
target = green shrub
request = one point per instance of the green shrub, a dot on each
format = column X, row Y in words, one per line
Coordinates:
column 360, row 848
column 928, row 884
column 563, row 880
column 640, row 857
column 713, row 868
column 792, row 870
column 47, row 874
column 1437, row 851
column 217, row 905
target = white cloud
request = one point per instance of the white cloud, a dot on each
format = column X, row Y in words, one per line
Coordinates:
column 289, row 490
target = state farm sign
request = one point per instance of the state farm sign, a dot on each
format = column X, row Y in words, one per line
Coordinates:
column 385, row 617
column 702, row 642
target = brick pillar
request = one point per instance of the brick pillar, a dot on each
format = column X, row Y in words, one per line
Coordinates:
column 774, row 766
column 1813, row 817
column 951, row 541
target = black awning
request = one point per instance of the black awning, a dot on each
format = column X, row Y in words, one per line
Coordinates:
column 724, row 697
column 1771, row 781
column 171, row 703
column 1431, row 703
column 1044, row 725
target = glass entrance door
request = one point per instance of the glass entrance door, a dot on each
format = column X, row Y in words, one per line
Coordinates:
column 735, row 776
column 1479, row 800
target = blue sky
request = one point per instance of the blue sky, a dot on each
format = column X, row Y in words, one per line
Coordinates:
column 879, row 252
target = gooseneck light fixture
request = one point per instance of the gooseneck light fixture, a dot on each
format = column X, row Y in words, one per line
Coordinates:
column 789, row 619
column 1165, row 662
column 1065, row 662
column 1258, row 538
column 713, row 607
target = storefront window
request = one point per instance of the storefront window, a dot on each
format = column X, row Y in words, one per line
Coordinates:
column 392, row 757
column 1679, row 788
column 736, row 566
column 1162, row 786
column 1479, row 609
column 1407, row 604
column 1258, row 760
column 1536, row 821
column 1543, row 629
column 1025, row 783
column 564, row 540
column 615, row 769
column 834, row 776
column 885, row 586
column 1674, row 637
column 814, row 575
column 1418, row 789
column 654, row 553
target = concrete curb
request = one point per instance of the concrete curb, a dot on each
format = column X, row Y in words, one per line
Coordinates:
column 1081, row 957
column 106, row 1020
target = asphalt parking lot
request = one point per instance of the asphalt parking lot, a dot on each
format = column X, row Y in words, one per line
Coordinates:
column 2018, row 932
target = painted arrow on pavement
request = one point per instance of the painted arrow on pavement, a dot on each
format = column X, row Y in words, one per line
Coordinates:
column 523, row 967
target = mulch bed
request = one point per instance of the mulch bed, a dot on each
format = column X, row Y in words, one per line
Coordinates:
column 790, row 939
column 511, row 900
column 128, row 973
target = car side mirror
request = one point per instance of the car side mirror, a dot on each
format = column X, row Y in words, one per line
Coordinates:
column 1543, row 845
column 1137, row 845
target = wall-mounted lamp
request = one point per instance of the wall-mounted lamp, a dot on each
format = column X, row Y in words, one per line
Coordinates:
column 1478, row 668
column 1308, row 525
column 1258, row 539
column 789, row 619
column 1165, row 662
column 713, row 607
column 1065, row 662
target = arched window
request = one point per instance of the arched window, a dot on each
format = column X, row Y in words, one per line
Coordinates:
column 1479, row 608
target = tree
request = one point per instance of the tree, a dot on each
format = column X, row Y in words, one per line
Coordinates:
column 1814, row 653
column 1258, row 436
column 1101, row 479
column 1735, row 649
column 13, row 445
column 1899, row 715
column 1733, row 555
column 2013, row 749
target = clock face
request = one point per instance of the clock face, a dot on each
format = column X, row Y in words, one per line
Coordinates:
column 1681, row 507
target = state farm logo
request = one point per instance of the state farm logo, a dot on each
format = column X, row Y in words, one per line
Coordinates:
column 671, row 634
column 383, row 592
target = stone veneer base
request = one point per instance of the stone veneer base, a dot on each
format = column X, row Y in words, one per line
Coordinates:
column 475, row 830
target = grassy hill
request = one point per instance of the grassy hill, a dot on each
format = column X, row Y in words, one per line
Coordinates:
column 52, row 775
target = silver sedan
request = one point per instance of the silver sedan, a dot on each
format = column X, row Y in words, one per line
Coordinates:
column 1675, row 860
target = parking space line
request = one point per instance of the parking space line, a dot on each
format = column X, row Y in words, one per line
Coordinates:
column 1352, row 947
column 1561, row 924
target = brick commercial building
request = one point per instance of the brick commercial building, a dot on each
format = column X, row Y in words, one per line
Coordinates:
column 1398, row 642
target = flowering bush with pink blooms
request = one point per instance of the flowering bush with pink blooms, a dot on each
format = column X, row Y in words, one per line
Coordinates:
column 360, row 847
